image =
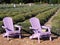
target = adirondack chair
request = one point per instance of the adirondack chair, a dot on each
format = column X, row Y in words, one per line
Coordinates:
column 9, row 28
column 38, row 29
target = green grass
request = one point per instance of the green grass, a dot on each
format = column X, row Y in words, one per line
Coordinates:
column 56, row 24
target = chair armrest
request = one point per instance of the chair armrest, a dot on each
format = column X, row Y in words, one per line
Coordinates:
column 19, row 27
column 4, row 27
column 46, row 27
column 33, row 28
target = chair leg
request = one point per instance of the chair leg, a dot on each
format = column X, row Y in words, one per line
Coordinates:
column 8, row 38
column 50, row 38
column 31, row 37
column 19, row 36
column 38, row 39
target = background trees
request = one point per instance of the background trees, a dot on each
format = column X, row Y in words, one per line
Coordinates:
column 30, row 1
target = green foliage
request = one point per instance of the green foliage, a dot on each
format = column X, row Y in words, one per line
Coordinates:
column 27, row 15
column 1, row 30
column 30, row 1
column 22, row 14
column 56, row 24
column 15, row 1
column 43, row 17
column 18, row 18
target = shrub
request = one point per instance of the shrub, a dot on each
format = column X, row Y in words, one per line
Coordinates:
column 1, row 30
column 18, row 18
column 56, row 24
column 42, row 17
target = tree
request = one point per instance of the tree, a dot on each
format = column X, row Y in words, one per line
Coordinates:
column 14, row 1
column 30, row 1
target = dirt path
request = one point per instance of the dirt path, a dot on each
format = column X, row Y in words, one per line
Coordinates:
column 27, row 41
column 50, row 20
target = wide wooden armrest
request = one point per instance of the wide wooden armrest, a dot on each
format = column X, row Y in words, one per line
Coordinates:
column 4, row 27
column 33, row 28
column 18, row 26
column 46, row 27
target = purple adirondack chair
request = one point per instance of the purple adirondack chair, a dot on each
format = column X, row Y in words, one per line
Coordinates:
column 37, row 29
column 9, row 28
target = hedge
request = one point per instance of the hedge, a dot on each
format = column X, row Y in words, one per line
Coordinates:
column 19, row 18
column 56, row 24
column 43, row 17
column 28, row 15
column 18, row 10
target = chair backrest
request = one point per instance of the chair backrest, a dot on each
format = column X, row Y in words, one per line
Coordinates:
column 8, row 23
column 35, row 23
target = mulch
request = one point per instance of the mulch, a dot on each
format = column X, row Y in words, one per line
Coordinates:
column 26, row 41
